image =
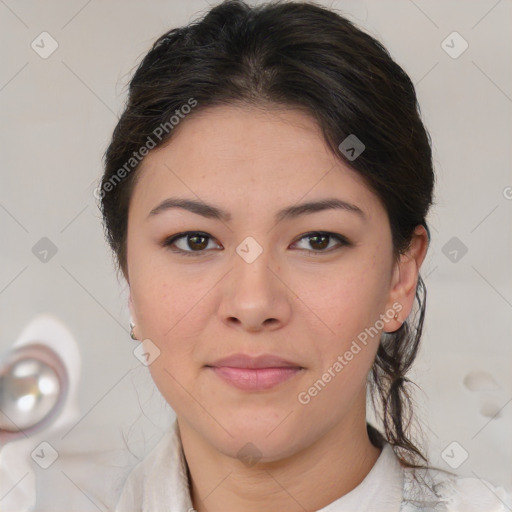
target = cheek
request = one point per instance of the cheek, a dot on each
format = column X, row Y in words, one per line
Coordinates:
column 166, row 300
column 344, row 344
column 344, row 300
column 172, row 310
column 170, row 313
column 341, row 312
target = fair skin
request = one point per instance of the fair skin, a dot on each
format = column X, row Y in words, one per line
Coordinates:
column 289, row 301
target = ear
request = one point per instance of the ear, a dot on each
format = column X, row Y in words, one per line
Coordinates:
column 405, row 277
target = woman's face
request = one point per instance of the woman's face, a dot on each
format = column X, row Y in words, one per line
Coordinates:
column 258, row 281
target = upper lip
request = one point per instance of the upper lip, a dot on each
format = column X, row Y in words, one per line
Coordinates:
column 262, row 361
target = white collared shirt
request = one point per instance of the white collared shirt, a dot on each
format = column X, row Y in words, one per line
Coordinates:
column 160, row 483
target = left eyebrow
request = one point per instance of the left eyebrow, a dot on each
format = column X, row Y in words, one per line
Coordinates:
column 213, row 212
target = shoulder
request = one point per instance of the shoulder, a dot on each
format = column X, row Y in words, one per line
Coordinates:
column 474, row 494
column 436, row 490
column 149, row 469
column 131, row 494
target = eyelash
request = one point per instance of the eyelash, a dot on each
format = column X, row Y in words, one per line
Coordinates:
column 168, row 242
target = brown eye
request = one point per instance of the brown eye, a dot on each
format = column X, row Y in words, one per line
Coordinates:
column 197, row 242
column 192, row 243
column 319, row 241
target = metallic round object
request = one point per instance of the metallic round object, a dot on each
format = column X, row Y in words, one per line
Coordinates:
column 33, row 386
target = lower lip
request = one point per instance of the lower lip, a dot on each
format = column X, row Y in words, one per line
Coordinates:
column 254, row 379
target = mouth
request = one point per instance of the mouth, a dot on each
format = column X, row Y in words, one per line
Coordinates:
column 255, row 373
column 255, row 379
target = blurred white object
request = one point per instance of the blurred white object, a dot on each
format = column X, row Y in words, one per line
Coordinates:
column 19, row 456
column 33, row 388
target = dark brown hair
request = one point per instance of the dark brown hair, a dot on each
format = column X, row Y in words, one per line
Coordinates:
column 303, row 56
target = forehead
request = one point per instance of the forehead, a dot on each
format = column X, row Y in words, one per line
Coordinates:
column 243, row 158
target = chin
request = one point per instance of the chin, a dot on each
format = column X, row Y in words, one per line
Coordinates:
column 256, row 439
column 259, row 449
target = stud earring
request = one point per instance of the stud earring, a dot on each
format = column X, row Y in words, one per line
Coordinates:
column 132, row 335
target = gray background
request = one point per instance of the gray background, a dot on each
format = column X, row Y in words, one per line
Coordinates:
column 58, row 114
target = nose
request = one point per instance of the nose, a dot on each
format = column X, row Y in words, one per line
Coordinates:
column 255, row 296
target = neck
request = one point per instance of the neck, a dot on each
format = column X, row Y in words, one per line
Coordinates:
column 308, row 480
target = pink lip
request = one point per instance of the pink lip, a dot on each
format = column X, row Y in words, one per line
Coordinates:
column 254, row 373
column 255, row 379
column 263, row 361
